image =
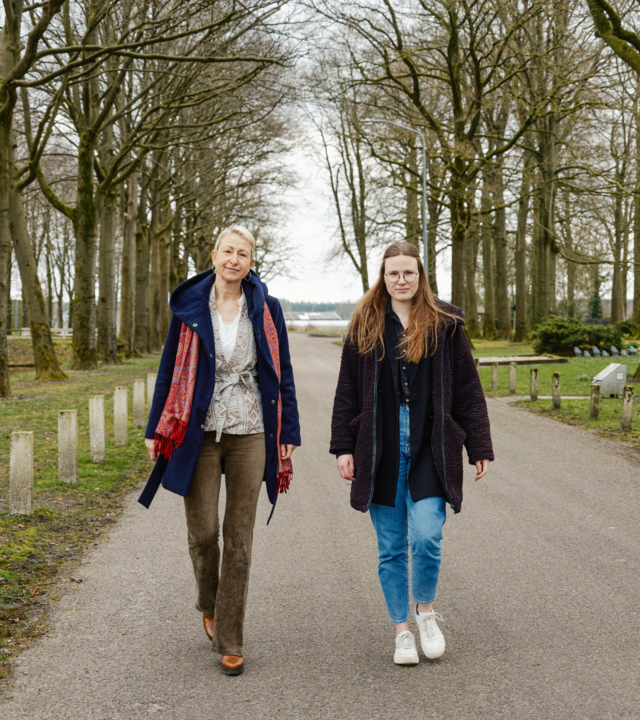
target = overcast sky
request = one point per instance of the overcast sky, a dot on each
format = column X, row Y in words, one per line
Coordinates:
column 311, row 230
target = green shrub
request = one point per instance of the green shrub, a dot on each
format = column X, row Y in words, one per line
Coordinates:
column 559, row 335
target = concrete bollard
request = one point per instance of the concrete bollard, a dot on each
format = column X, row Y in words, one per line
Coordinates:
column 533, row 384
column 594, row 406
column 151, row 388
column 494, row 376
column 555, row 391
column 139, row 416
column 120, row 416
column 627, row 409
column 96, row 429
column 21, row 474
column 68, row 446
column 513, row 370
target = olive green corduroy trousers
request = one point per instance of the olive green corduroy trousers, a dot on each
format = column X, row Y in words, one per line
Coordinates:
column 222, row 591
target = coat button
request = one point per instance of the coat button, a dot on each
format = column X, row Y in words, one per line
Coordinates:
column 210, row 354
column 271, row 436
column 195, row 324
column 202, row 426
column 273, row 402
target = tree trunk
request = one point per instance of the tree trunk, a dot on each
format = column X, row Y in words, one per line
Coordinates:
column 552, row 257
column 84, row 294
column 458, row 232
column 412, row 214
column 571, row 289
column 141, row 322
column 46, row 360
column 471, row 261
column 47, row 258
column 488, row 326
column 163, row 284
column 60, row 297
column 9, row 313
column 503, row 314
column 521, row 252
column 433, row 210
column 154, row 270
column 128, row 268
column 107, row 333
column 617, row 313
column 5, row 182
column 636, row 226
column 175, row 274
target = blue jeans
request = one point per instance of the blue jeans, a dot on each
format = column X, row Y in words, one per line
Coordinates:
column 417, row 524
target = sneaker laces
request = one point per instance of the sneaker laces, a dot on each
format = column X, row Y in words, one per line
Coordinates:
column 407, row 641
column 429, row 622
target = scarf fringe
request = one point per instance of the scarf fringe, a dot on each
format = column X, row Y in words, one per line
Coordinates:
column 166, row 445
column 284, row 480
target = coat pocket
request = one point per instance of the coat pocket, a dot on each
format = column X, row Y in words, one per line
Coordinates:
column 454, row 431
column 354, row 425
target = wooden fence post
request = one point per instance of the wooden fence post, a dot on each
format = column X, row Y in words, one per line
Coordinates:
column 494, row 376
column 555, row 391
column 120, row 416
column 68, row 446
column 138, row 404
column 21, row 473
column 627, row 409
column 513, row 370
column 533, row 384
column 594, row 406
column 477, row 362
column 96, row 429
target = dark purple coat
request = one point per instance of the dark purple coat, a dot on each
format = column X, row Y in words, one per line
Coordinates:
column 459, row 406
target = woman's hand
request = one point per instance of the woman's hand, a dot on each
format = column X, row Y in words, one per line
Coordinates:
column 151, row 447
column 481, row 466
column 286, row 451
column 346, row 467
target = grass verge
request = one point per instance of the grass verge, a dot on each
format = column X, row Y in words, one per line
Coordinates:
column 39, row 549
column 576, row 412
column 499, row 348
column 575, row 376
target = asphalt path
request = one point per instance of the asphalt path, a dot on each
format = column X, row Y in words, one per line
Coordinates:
column 539, row 589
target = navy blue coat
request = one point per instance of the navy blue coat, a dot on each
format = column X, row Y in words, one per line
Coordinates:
column 190, row 305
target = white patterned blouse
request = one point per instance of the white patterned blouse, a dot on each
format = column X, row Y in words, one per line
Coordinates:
column 236, row 404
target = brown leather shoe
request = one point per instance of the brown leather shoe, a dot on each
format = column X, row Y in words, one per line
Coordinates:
column 207, row 621
column 232, row 665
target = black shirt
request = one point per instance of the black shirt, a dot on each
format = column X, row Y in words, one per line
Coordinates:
column 402, row 381
column 405, row 371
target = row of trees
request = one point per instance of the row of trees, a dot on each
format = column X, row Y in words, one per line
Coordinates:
column 532, row 128
column 132, row 130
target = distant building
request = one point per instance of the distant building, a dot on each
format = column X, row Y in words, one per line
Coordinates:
column 311, row 317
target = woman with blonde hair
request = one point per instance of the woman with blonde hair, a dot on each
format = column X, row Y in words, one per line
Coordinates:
column 408, row 399
column 224, row 402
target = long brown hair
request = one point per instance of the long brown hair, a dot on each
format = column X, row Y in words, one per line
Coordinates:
column 366, row 329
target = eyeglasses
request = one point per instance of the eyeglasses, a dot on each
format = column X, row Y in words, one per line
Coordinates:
column 394, row 277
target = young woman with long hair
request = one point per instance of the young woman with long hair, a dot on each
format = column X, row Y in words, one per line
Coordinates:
column 408, row 399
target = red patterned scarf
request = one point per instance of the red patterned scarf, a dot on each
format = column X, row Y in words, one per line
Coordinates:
column 285, row 468
column 174, row 420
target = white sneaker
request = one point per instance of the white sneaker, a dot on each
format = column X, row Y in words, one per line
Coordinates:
column 431, row 637
column 406, row 651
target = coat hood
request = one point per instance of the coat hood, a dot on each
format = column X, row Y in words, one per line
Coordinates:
column 187, row 299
